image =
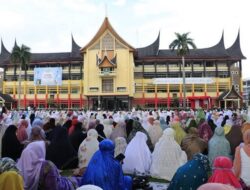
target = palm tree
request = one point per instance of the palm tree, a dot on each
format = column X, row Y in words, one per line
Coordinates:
column 20, row 55
column 181, row 44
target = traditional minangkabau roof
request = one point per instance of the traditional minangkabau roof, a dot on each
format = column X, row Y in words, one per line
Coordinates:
column 235, row 51
column 5, row 54
column 151, row 50
column 7, row 98
column 230, row 94
column 111, row 61
column 75, row 49
column 216, row 51
column 45, row 57
column 106, row 26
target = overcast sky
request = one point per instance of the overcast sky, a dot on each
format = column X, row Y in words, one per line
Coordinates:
column 47, row 25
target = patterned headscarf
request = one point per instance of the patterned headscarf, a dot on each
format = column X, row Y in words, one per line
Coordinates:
column 7, row 164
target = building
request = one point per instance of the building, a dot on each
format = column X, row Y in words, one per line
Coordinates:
column 109, row 73
column 246, row 90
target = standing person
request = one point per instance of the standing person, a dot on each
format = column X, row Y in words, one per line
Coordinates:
column 242, row 161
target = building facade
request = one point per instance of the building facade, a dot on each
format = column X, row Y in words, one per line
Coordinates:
column 246, row 90
column 109, row 73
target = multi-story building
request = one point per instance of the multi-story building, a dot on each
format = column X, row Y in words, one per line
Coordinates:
column 246, row 90
column 111, row 74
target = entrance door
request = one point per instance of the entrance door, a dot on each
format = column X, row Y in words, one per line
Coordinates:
column 108, row 104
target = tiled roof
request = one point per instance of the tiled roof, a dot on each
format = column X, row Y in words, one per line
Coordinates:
column 235, row 50
column 151, row 50
column 45, row 57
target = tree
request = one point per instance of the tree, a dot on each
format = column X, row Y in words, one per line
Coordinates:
column 20, row 55
column 181, row 44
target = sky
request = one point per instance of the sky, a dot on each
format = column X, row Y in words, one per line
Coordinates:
column 47, row 25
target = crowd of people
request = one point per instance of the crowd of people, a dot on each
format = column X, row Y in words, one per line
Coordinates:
column 194, row 149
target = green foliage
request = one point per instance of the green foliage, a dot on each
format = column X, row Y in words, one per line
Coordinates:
column 182, row 43
column 20, row 55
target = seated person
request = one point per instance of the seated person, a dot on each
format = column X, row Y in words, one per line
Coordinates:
column 10, row 179
column 192, row 174
column 40, row 174
column 223, row 173
column 105, row 171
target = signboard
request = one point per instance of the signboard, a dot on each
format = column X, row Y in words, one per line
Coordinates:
column 48, row 76
column 180, row 80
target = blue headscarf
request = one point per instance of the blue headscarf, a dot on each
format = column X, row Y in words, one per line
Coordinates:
column 192, row 174
column 104, row 170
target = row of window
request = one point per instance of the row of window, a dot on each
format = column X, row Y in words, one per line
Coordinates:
column 31, row 77
column 31, row 67
column 148, row 75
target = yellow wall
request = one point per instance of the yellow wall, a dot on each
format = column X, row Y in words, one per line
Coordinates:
column 123, row 74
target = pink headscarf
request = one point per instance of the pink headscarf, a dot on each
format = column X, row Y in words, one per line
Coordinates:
column 222, row 172
column 30, row 164
column 215, row 186
column 205, row 131
column 21, row 131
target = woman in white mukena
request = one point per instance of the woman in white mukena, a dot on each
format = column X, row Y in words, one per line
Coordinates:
column 137, row 155
column 167, row 156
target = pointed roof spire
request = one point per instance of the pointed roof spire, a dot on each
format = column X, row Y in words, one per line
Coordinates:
column 221, row 43
column 3, row 49
column 15, row 43
column 5, row 54
column 75, row 48
column 235, row 49
column 150, row 50
column 107, row 26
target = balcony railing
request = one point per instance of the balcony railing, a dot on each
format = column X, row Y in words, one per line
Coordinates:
column 107, row 73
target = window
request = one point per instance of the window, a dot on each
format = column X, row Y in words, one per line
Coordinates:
column 121, row 89
column 93, row 89
column 30, row 91
column 174, row 75
column 107, row 85
column 74, row 90
column 197, row 74
column 223, row 74
column 149, row 75
column 65, row 77
column 41, row 91
column 75, row 77
column 209, row 64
